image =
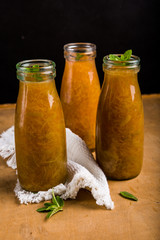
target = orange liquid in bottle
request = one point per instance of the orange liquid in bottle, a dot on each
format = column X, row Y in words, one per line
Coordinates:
column 79, row 95
column 39, row 136
column 120, row 125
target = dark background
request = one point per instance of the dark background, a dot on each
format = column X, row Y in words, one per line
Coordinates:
column 40, row 28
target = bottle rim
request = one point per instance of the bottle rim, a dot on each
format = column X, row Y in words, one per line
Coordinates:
column 80, row 47
column 134, row 61
column 40, row 65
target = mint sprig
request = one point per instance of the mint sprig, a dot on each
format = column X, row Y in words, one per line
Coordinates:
column 124, row 57
column 128, row 196
column 79, row 56
column 35, row 69
column 55, row 206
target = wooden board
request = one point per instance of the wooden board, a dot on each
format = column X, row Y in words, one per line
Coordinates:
column 82, row 218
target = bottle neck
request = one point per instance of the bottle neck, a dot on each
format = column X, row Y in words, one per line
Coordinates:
column 79, row 51
column 37, row 70
column 132, row 64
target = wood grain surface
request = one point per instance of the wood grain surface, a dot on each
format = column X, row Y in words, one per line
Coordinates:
column 82, row 218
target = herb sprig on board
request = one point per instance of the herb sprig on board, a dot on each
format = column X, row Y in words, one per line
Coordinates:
column 52, row 208
column 124, row 57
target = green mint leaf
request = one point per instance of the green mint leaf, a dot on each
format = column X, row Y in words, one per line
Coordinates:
column 113, row 57
column 57, row 200
column 54, row 207
column 54, row 211
column 79, row 56
column 127, row 55
column 44, row 209
column 51, row 207
column 47, row 204
column 128, row 196
column 49, row 214
column 35, row 68
column 27, row 69
column 38, row 77
column 60, row 201
column 124, row 57
column 54, row 200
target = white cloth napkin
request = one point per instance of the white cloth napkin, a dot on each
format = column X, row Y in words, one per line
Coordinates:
column 83, row 172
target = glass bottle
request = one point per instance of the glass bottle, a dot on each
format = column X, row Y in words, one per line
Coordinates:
column 80, row 90
column 120, row 120
column 39, row 127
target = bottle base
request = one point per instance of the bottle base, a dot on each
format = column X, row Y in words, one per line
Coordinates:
column 122, row 178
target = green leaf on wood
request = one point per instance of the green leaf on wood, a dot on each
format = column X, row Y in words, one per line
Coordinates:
column 55, row 206
column 128, row 196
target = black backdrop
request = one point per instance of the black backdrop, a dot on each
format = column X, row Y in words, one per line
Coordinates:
column 40, row 28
